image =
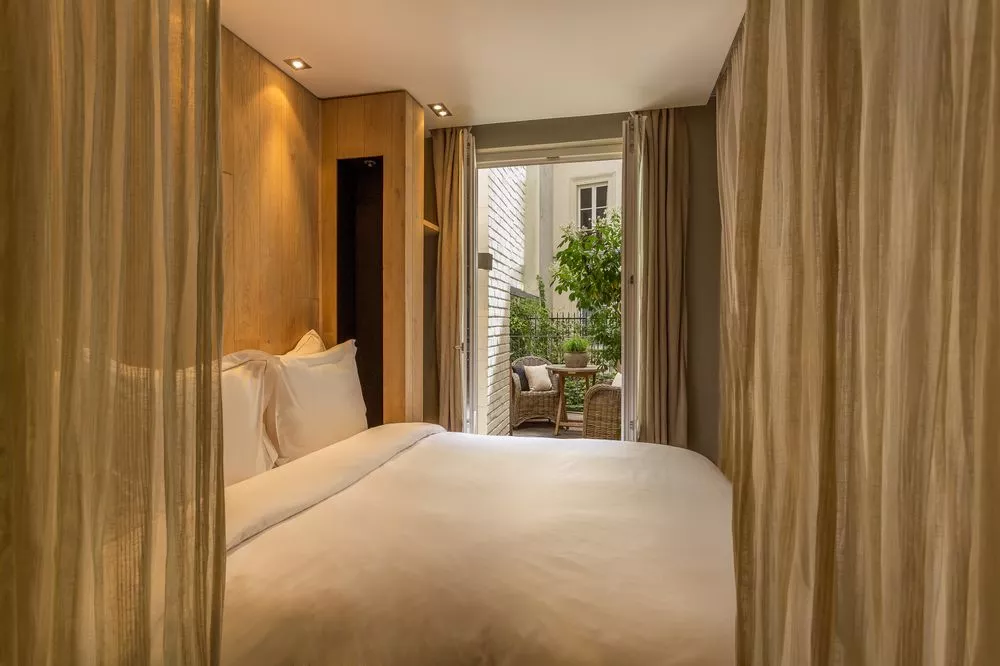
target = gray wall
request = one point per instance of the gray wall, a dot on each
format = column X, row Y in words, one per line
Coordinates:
column 702, row 277
column 704, row 243
column 551, row 130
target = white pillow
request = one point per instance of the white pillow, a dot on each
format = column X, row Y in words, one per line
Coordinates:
column 317, row 401
column 246, row 450
column 618, row 380
column 538, row 378
column 310, row 343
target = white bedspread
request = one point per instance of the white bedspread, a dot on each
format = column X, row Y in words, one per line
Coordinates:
column 408, row 545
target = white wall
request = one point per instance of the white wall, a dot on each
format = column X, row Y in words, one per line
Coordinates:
column 482, row 303
column 531, row 230
column 503, row 204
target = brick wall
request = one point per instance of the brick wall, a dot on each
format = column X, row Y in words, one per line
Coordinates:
column 506, row 218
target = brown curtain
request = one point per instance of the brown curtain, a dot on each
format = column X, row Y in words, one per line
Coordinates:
column 448, row 146
column 859, row 146
column 661, row 401
column 735, row 292
column 111, row 505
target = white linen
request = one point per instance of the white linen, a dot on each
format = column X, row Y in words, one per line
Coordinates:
column 263, row 501
column 310, row 343
column 317, row 401
column 538, row 378
column 465, row 549
column 246, row 450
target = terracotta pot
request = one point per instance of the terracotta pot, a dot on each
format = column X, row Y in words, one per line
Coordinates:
column 575, row 359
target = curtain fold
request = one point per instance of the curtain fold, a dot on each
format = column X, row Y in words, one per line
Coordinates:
column 664, row 191
column 448, row 148
column 858, row 149
column 733, row 362
column 111, row 512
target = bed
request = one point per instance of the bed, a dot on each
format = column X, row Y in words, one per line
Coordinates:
column 405, row 544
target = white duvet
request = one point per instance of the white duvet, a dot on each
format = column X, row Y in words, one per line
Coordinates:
column 408, row 545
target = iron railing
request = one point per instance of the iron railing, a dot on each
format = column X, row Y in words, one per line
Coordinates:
column 544, row 336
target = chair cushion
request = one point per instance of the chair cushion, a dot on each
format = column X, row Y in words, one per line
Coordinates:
column 519, row 371
column 538, row 378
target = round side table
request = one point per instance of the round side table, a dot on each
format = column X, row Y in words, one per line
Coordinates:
column 587, row 373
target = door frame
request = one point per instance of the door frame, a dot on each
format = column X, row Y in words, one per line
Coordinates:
column 563, row 153
column 633, row 163
column 471, row 301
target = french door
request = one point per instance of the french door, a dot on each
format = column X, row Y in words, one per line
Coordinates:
column 633, row 163
column 553, row 154
column 469, row 346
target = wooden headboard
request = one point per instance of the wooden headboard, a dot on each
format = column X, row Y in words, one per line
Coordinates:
column 270, row 129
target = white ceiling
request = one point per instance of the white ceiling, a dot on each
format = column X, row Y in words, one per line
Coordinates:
column 496, row 61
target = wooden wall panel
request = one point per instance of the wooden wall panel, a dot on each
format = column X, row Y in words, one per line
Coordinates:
column 414, row 136
column 330, row 153
column 385, row 128
column 274, row 153
column 226, row 96
column 301, row 243
column 351, row 127
column 244, row 73
column 386, row 125
column 228, row 266
column 270, row 129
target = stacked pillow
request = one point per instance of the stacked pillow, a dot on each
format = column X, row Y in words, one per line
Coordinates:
column 310, row 343
column 317, row 401
column 278, row 408
column 246, row 448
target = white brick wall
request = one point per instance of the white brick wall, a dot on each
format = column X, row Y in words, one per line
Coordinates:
column 506, row 192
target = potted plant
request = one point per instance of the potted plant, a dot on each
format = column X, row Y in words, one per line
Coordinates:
column 575, row 352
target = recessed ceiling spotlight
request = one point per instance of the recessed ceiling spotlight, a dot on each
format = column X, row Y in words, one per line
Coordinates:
column 439, row 109
column 297, row 64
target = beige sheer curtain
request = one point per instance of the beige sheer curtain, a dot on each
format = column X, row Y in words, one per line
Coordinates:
column 661, row 397
column 859, row 155
column 448, row 146
column 735, row 297
column 111, row 524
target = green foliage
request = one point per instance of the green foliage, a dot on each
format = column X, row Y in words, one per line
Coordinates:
column 605, row 329
column 574, row 395
column 531, row 328
column 575, row 345
column 588, row 264
column 588, row 267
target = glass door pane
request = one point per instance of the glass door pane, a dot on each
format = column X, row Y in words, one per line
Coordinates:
column 471, row 301
column 633, row 164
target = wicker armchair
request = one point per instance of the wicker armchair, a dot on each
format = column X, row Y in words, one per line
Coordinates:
column 602, row 412
column 528, row 405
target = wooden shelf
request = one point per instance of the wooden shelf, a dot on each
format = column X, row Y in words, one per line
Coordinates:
column 431, row 228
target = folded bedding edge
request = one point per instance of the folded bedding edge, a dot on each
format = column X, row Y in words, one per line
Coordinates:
column 265, row 500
